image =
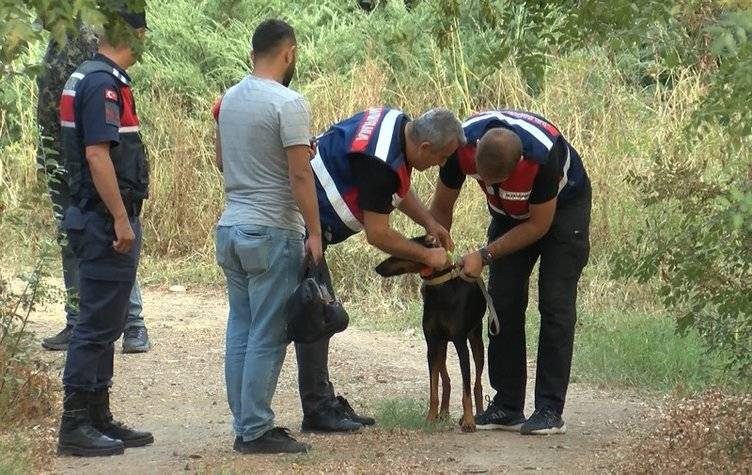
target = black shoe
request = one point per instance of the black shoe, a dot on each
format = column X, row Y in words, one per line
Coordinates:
column 274, row 441
column 349, row 412
column 78, row 436
column 330, row 419
column 544, row 422
column 60, row 341
column 496, row 418
column 136, row 340
column 101, row 417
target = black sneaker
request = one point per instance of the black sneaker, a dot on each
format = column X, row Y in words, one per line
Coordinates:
column 136, row 340
column 496, row 418
column 544, row 422
column 330, row 419
column 349, row 412
column 274, row 441
column 60, row 341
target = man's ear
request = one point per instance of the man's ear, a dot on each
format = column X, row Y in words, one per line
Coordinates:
column 396, row 266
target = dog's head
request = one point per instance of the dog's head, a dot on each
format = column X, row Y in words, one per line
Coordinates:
column 398, row 266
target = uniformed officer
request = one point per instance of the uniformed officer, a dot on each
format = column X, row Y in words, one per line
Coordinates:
column 538, row 195
column 108, row 179
column 363, row 167
column 60, row 61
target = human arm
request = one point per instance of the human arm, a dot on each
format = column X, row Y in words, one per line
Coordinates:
column 105, row 182
column 415, row 210
column 295, row 133
column 383, row 237
column 519, row 237
column 303, row 187
column 447, row 191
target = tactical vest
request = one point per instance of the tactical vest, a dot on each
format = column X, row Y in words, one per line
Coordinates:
column 511, row 197
column 128, row 158
column 373, row 133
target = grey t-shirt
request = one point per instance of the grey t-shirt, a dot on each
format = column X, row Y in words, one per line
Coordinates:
column 258, row 119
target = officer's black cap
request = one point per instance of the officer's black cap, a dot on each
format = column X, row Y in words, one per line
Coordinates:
column 135, row 19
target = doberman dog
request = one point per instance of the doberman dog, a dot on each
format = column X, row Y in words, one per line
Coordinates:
column 453, row 310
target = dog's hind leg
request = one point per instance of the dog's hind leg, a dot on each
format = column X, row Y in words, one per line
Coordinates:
column 476, row 346
column 436, row 359
column 446, row 388
column 468, row 420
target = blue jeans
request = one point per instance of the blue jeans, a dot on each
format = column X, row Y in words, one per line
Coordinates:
column 262, row 266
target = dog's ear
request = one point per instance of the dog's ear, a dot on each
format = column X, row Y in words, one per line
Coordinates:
column 396, row 266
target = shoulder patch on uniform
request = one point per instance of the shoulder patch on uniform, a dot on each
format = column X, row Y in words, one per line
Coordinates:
column 112, row 114
column 110, row 95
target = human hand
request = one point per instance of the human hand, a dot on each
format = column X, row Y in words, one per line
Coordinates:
column 472, row 265
column 314, row 248
column 440, row 233
column 436, row 258
column 124, row 235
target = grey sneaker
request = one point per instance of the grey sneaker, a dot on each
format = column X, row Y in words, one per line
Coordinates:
column 136, row 340
column 60, row 341
column 544, row 422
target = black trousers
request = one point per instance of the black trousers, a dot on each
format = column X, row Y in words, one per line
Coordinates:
column 316, row 391
column 106, row 280
column 563, row 253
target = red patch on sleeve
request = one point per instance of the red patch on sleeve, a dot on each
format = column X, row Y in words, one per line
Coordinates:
column 110, row 95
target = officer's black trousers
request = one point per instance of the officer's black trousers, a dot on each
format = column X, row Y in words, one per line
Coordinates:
column 316, row 391
column 563, row 252
column 106, row 280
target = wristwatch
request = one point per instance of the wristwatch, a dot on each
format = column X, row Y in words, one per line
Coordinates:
column 486, row 255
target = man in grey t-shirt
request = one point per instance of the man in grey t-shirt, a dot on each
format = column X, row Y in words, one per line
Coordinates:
column 263, row 148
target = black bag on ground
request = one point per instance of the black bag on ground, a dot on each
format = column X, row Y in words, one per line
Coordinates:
column 314, row 313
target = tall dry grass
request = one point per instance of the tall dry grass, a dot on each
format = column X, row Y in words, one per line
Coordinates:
column 618, row 129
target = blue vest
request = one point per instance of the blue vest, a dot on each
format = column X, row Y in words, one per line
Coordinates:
column 375, row 132
column 538, row 136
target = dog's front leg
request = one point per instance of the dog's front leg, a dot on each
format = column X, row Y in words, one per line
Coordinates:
column 434, row 368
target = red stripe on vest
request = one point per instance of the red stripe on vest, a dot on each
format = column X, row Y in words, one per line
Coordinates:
column 466, row 157
column 128, row 117
column 66, row 108
column 365, row 130
column 351, row 200
column 403, row 173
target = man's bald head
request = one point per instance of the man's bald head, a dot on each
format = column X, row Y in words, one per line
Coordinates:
column 497, row 154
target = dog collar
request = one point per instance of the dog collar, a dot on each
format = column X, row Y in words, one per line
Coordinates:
column 442, row 278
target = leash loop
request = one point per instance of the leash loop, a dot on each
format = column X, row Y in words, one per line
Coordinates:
column 494, row 327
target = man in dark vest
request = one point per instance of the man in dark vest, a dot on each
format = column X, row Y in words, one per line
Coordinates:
column 538, row 195
column 59, row 62
column 108, row 179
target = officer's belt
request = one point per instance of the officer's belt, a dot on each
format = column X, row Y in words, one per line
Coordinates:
column 132, row 207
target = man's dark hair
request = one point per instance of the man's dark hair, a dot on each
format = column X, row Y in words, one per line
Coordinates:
column 269, row 35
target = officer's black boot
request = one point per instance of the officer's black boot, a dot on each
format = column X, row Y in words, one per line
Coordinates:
column 77, row 434
column 99, row 408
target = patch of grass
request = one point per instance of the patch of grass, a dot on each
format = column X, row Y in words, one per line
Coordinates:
column 14, row 458
column 406, row 413
column 644, row 351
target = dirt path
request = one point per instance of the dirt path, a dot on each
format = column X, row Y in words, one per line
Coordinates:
column 177, row 391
